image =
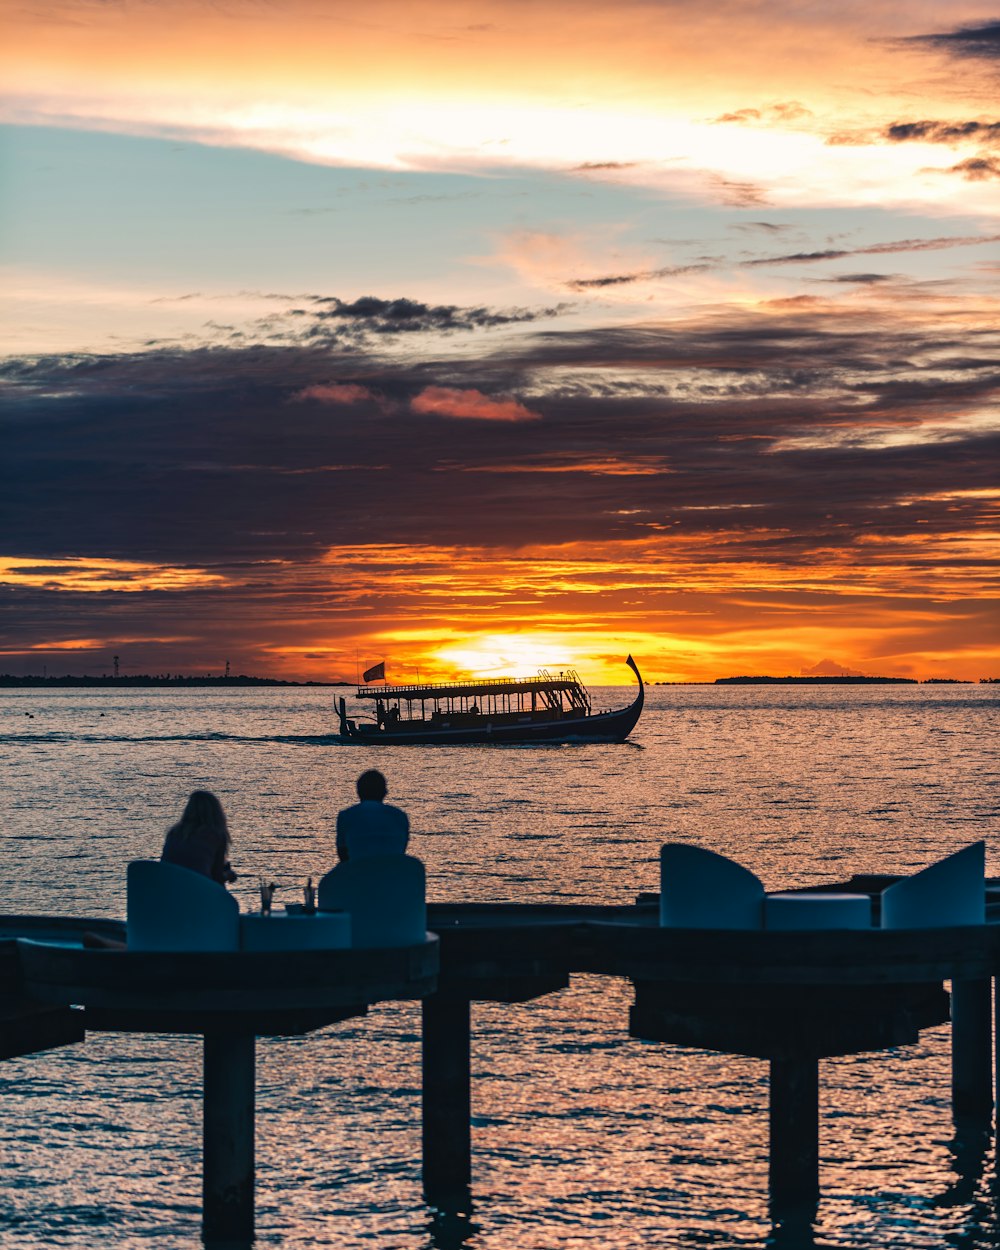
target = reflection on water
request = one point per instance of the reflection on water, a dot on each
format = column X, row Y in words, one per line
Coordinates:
column 451, row 1226
column 582, row 1136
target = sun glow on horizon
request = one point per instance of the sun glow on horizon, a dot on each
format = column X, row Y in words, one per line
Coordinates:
column 511, row 655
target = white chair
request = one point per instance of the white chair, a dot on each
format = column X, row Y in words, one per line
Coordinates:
column 385, row 895
column 950, row 892
column 702, row 890
column 174, row 909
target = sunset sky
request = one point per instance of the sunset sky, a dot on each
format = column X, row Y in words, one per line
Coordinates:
column 482, row 336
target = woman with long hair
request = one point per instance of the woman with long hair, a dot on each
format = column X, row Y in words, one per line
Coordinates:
column 200, row 839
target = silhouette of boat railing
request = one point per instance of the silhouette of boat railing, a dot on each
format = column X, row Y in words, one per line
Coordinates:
column 568, row 679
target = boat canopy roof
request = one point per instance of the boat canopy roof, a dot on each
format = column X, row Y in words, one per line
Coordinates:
column 567, row 680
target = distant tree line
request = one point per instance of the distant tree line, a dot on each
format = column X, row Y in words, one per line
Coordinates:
column 817, row 681
column 9, row 680
column 851, row 681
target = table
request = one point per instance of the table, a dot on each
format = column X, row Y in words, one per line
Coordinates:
column 327, row 930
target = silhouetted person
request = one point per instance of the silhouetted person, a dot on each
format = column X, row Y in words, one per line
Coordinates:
column 200, row 839
column 371, row 826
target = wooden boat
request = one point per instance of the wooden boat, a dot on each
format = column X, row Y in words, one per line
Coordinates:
column 548, row 708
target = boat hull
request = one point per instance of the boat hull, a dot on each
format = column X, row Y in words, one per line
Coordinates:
column 599, row 727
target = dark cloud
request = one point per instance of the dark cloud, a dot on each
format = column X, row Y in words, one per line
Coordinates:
column 861, row 279
column 878, row 249
column 974, row 171
column 590, row 166
column 624, row 279
column 977, row 168
column 981, row 42
column 942, row 132
column 794, row 258
column 740, row 194
column 769, row 227
column 326, row 321
column 204, row 456
column 403, row 316
column 760, row 438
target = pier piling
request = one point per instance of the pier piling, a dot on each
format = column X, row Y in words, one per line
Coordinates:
column 971, row 1049
column 447, row 1133
column 228, row 1162
column 794, row 1117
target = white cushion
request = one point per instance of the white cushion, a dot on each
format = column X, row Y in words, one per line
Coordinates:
column 817, row 911
column 702, row 890
column 175, row 909
column 385, row 895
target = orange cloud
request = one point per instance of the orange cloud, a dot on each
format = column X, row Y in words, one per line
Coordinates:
column 690, row 608
column 74, row 645
column 80, row 574
column 442, row 401
column 336, row 393
column 617, row 466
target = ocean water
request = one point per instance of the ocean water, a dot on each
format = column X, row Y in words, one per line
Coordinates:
column 582, row 1136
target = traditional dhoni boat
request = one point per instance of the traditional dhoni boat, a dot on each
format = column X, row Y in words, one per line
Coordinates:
column 552, row 707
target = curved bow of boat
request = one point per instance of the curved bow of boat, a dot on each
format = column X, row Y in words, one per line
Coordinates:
column 640, row 698
column 625, row 720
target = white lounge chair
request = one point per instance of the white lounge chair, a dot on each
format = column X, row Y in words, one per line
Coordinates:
column 174, row 909
column 702, row 890
column 385, row 895
column 950, row 892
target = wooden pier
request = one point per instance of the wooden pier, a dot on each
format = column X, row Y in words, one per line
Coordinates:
column 229, row 998
column 791, row 1002
column 789, row 998
column 27, row 1026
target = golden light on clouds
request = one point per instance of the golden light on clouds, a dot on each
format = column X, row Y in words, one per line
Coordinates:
column 687, row 608
column 667, row 97
column 91, row 576
column 667, row 602
column 78, row 646
column 700, row 160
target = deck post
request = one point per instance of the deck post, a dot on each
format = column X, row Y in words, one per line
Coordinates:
column 971, row 1049
column 447, row 1133
column 794, row 1116
column 228, row 1158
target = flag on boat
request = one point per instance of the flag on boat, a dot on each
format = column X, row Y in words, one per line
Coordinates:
column 376, row 672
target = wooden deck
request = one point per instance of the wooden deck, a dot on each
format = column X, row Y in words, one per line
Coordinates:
column 27, row 1026
column 788, row 998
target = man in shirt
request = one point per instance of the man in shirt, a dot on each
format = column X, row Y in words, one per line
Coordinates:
column 371, row 826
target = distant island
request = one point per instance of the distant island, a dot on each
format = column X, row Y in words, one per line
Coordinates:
column 816, row 681
column 9, row 681
column 848, row 680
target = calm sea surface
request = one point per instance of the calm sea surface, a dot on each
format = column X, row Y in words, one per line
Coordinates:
column 582, row 1136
